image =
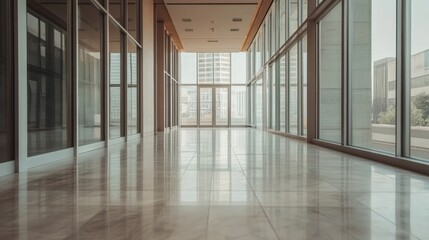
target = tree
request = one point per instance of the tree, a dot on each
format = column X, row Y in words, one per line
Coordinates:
column 417, row 119
column 388, row 117
column 421, row 102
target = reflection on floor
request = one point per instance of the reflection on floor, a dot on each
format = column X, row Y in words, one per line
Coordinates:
column 215, row 184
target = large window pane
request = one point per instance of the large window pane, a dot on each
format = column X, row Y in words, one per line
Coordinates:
column 238, row 105
column 293, row 90
column 132, row 80
column 273, row 31
column 330, row 76
column 90, row 74
column 304, row 85
column 282, row 31
column 206, row 106
column 372, row 74
column 115, row 7
column 115, row 99
column 238, row 69
column 133, row 18
column 272, row 96
column 304, row 10
column 48, row 90
column 419, row 109
column 222, row 102
column 283, row 108
column 222, row 67
column 188, row 99
column 6, row 126
column 259, row 103
column 293, row 16
column 188, row 68
column 205, row 68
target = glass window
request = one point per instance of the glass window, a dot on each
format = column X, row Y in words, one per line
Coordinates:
column 282, row 31
column 267, row 39
column 259, row 103
column 371, row 69
column 133, row 18
column 90, row 74
column 293, row 90
column 238, row 68
column 304, row 85
column 116, row 111
column 48, row 90
column 206, row 106
column 304, row 10
column 273, row 31
column 222, row 105
column 419, row 85
column 188, row 99
column 293, row 16
column 6, row 88
column 132, row 80
column 205, row 68
column 330, row 76
column 283, row 76
column 188, row 73
column 238, row 105
column 115, row 7
column 222, row 67
column 273, row 97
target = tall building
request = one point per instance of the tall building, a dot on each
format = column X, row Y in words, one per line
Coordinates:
column 208, row 119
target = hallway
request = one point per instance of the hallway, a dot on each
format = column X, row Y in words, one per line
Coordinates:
column 214, row 183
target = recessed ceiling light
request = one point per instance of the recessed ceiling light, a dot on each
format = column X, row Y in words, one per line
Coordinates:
column 189, row 30
column 212, row 41
column 236, row 19
column 186, row 20
column 235, row 29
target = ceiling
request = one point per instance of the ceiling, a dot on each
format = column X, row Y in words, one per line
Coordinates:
column 209, row 25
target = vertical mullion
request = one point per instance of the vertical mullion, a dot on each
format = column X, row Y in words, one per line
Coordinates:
column 124, row 64
column 402, row 81
column 106, row 84
column 287, row 92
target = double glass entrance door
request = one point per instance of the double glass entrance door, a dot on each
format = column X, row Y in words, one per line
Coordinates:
column 213, row 106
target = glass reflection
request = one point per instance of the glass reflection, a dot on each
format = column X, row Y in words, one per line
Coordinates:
column 115, row 100
column 419, row 80
column 330, row 75
column 6, row 124
column 48, row 91
column 90, row 74
column 132, row 80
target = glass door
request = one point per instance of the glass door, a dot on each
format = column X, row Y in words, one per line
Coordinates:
column 213, row 106
column 222, row 106
column 206, row 106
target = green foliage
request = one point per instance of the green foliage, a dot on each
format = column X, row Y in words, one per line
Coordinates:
column 417, row 116
column 388, row 117
column 422, row 102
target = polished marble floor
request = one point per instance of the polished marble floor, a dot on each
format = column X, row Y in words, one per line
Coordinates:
column 215, row 184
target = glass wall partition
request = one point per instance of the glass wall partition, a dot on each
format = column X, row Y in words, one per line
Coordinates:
column 6, row 85
column 48, row 88
column 330, row 61
column 367, row 75
column 132, row 81
column 115, row 84
column 90, row 65
column 213, row 89
column 418, row 80
column 372, row 74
